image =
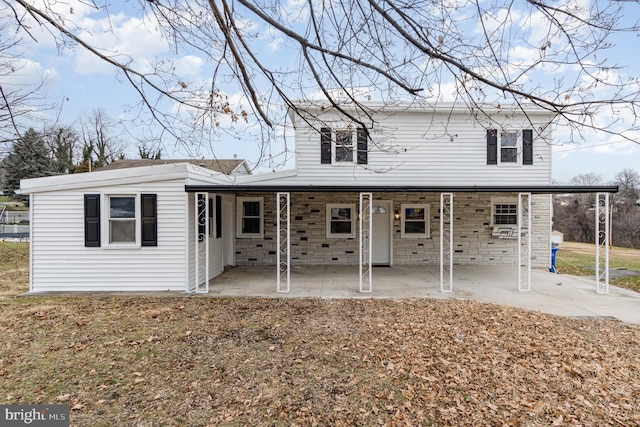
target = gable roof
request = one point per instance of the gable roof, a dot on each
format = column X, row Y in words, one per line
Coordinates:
column 225, row 166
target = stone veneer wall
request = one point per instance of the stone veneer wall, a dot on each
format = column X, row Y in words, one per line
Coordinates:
column 472, row 240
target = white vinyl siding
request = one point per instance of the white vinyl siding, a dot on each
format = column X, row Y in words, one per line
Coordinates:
column 62, row 262
column 411, row 148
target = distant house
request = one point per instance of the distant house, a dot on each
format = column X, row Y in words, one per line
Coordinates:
column 402, row 185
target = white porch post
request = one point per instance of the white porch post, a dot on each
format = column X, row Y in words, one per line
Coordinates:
column 524, row 241
column 201, row 242
column 32, row 207
column 602, row 243
column 446, row 242
column 366, row 224
column 283, row 243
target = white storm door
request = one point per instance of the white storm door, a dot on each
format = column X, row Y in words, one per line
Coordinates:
column 381, row 213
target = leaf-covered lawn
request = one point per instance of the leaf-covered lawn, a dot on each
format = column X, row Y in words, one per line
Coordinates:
column 221, row 361
column 200, row 361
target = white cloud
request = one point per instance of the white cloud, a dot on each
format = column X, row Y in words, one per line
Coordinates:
column 27, row 72
column 297, row 10
column 122, row 37
column 274, row 39
column 497, row 19
column 189, row 66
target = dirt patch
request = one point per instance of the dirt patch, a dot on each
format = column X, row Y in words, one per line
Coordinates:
column 206, row 361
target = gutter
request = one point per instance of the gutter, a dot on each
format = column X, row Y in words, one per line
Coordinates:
column 536, row 189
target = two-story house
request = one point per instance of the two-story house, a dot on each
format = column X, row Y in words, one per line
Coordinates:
column 398, row 185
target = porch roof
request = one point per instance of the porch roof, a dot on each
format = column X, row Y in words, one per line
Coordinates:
column 536, row 189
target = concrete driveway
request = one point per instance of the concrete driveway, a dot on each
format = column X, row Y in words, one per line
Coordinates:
column 550, row 293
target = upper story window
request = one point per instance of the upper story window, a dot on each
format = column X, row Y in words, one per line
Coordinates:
column 510, row 144
column 508, row 147
column 344, row 146
column 250, row 216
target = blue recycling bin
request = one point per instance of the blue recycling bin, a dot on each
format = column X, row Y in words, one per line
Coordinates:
column 553, row 259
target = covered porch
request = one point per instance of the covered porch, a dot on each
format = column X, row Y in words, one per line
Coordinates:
column 366, row 275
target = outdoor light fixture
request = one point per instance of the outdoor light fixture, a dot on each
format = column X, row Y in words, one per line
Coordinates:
column 396, row 214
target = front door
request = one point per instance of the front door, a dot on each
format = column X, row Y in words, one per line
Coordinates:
column 381, row 244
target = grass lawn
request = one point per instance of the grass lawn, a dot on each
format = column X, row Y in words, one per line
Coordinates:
column 576, row 258
column 200, row 361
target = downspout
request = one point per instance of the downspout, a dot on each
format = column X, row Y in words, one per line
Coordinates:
column 186, row 242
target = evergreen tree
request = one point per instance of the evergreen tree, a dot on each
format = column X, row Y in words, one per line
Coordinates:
column 29, row 158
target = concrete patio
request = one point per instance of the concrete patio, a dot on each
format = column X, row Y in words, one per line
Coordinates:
column 550, row 293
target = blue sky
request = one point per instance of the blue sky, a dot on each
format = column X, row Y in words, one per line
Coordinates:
column 79, row 83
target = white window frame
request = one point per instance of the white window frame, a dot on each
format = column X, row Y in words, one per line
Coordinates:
column 503, row 201
column 105, row 228
column 240, row 211
column 354, row 214
column 426, row 220
column 354, row 146
column 518, row 147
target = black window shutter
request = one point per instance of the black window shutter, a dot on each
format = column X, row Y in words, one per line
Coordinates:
column 149, row 204
column 527, row 147
column 218, row 216
column 92, row 220
column 210, row 214
column 363, row 142
column 492, row 147
column 325, row 146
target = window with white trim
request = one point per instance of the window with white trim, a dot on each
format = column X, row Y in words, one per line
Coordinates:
column 122, row 219
column 504, row 212
column 344, row 146
column 250, row 217
column 510, row 147
column 415, row 221
column 510, row 144
column 341, row 220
